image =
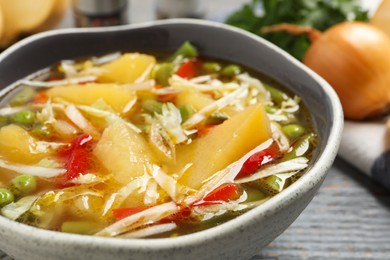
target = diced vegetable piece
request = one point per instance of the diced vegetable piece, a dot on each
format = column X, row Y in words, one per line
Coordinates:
column 22, row 97
column 211, row 66
column 23, row 184
column 186, row 112
column 216, row 119
column 258, row 159
column 293, row 130
column 277, row 95
column 152, row 106
column 24, row 117
column 224, row 144
column 80, row 227
column 78, row 157
column 186, row 50
column 270, row 185
column 231, row 70
column 194, row 98
column 123, row 152
column 115, row 96
column 129, row 68
column 188, row 69
column 40, row 131
column 16, row 144
column 300, row 147
column 6, row 197
column 163, row 72
column 224, row 193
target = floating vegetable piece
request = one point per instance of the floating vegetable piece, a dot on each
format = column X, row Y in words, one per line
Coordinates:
column 353, row 58
column 258, row 159
column 123, row 152
column 188, row 69
column 114, row 95
column 186, row 50
column 78, row 157
column 129, row 68
column 23, row 184
column 6, row 197
column 224, row 144
column 17, row 145
column 163, row 72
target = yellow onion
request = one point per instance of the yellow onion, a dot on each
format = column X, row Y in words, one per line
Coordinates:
column 354, row 57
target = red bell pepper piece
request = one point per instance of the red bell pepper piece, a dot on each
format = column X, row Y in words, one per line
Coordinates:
column 223, row 193
column 189, row 69
column 258, row 159
column 77, row 158
column 126, row 212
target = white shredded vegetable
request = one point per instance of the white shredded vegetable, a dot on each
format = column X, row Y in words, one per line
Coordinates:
column 179, row 82
column 14, row 210
column 294, row 165
column 110, row 117
column 105, row 58
column 147, row 216
column 170, row 120
column 215, row 106
column 88, row 178
column 6, row 111
column 31, row 170
column 119, row 196
column 55, row 83
column 79, row 120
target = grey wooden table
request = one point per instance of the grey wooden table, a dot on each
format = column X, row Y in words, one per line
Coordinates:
column 349, row 218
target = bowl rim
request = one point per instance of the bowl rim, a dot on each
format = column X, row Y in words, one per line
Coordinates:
column 305, row 183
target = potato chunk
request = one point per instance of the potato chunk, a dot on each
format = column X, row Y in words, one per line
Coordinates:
column 123, row 152
column 116, row 96
column 129, row 68
column 17, row 145
column 223, row 145
column 194, row 98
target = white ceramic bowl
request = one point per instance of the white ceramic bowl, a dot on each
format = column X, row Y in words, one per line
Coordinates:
column 239, row 238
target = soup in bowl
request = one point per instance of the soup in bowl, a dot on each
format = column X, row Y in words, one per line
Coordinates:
column 148, row 140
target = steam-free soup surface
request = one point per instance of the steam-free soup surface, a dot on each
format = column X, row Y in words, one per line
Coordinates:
column 134, row 145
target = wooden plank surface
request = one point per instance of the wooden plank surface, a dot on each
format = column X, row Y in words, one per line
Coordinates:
column 349, row 218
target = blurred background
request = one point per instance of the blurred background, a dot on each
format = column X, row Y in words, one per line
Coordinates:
column 20, row 18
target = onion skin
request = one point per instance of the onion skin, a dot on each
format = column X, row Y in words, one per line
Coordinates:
column 354, row 57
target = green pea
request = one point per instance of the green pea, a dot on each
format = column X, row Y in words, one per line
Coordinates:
column 293, row 130
column 163, row 72
column 24, row 117
column 276, row 95
column 6, row 197
column 231, row 70
column 23, row 97
column 23, row 184
column 211, row 66
column 270, row 109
